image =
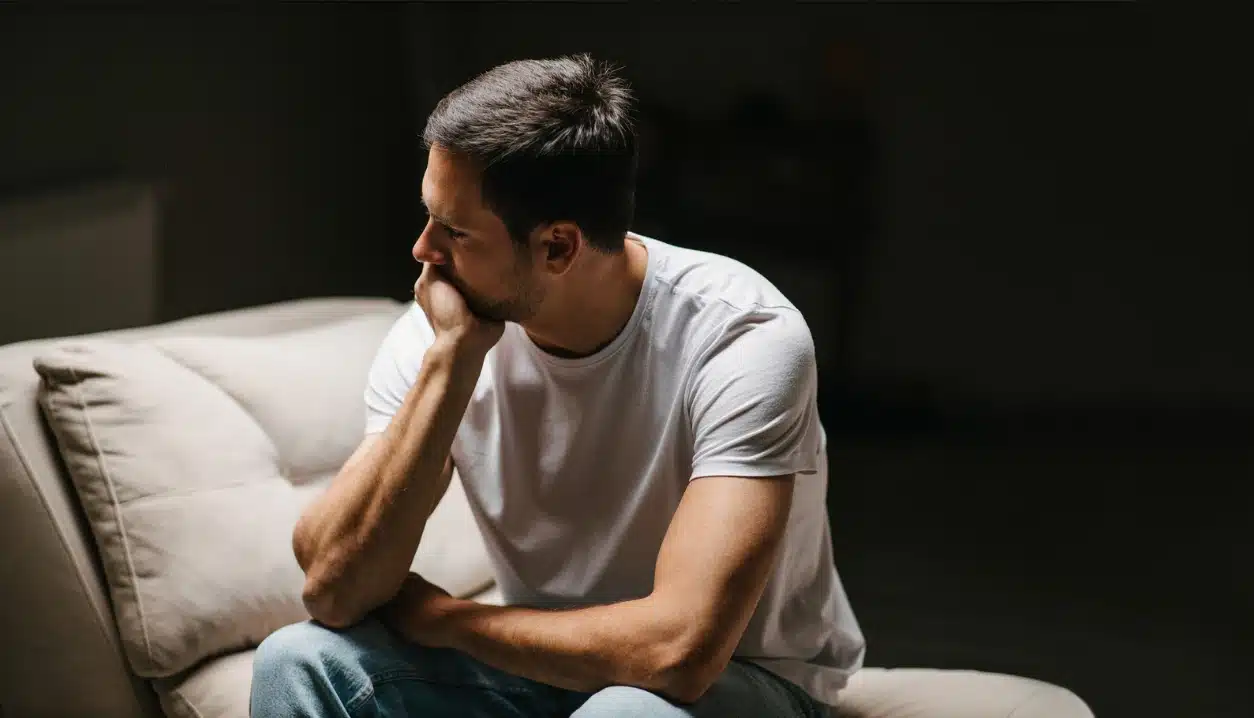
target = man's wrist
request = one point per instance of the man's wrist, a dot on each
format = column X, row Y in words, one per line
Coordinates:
column 452, row 620
column 458, row 353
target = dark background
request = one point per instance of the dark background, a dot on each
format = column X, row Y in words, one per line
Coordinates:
column 1022, row 234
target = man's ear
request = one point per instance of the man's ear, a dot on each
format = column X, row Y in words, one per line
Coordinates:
column 560, row 243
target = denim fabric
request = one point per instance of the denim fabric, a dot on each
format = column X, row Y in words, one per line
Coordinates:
column 367, row 671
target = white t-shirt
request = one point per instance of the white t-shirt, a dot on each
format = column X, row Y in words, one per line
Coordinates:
column 574, row 467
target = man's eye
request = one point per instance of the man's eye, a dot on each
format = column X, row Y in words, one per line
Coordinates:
column 453, row 233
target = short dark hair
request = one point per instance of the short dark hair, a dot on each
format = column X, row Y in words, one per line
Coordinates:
column 554, row 139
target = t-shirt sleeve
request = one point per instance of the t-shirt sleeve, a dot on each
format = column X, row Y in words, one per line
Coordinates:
column 752, row 399
column 395, row 367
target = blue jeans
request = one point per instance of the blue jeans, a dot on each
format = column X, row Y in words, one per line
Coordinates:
column 368, row 671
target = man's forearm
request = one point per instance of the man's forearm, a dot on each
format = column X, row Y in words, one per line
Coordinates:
column 631, row 643
column 357, row 541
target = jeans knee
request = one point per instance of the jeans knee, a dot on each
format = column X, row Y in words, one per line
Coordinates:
column 625, row 702
column 304, row 664
column 298, row 645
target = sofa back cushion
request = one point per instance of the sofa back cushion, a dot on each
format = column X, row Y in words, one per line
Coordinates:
column 192, row 458
column 303, row 389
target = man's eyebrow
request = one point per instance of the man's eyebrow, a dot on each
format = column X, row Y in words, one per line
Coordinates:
column 437, row 217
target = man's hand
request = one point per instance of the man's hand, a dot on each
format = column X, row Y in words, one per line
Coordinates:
column 418, row 612
column 450, row 316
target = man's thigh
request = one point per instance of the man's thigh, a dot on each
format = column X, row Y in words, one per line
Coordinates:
column 743, row 691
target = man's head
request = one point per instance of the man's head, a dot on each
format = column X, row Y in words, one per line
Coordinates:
column 529, row 164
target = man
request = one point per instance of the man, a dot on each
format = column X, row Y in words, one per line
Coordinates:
column 636, row 430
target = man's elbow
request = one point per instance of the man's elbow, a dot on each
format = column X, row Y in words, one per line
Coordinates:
column 689, row 688
column 686, row 672
column 331, row 597
column 303, row 542
column 329, row 606
column 324, row 593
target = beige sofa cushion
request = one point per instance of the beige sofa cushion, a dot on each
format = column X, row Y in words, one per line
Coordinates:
column 929, row 693
column 219, row 689
column 192, row 458
column 303, row 389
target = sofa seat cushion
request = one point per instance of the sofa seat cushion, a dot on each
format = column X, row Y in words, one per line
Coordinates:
column 929, row 693
column 217, row 689
column 192, row 458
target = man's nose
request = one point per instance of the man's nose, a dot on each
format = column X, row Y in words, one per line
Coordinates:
column 425, row 249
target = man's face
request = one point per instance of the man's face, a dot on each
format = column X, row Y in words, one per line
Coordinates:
column 471, row 246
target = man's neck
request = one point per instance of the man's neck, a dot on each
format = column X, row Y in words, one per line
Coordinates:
column 596, row 309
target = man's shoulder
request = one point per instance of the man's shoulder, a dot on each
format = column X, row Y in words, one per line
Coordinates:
column 715, row 312
column 716, row 279
column 704, row 293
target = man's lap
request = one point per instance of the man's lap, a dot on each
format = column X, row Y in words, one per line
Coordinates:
column 367, row 670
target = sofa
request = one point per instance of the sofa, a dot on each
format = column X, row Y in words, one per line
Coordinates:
column 149, row 480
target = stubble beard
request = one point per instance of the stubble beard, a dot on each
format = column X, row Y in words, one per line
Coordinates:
column 520, row 307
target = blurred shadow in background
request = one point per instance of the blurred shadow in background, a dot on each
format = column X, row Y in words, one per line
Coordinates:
column 1021, row 234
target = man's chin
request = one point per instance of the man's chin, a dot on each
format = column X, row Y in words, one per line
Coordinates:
column 488, row 311
column 492, row 314
column 483, row 310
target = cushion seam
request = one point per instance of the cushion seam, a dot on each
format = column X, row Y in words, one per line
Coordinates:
column 117, row 513
column 155, row 345
column 195, row 491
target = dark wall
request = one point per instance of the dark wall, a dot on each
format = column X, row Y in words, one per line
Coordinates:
column 1064, row 205
column 1062, row 263
column 279, row 139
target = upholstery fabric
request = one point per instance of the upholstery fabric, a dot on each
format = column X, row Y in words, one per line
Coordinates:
column 192, row 458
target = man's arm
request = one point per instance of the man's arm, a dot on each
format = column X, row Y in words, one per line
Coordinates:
column 356, row 542
column 712, row 568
